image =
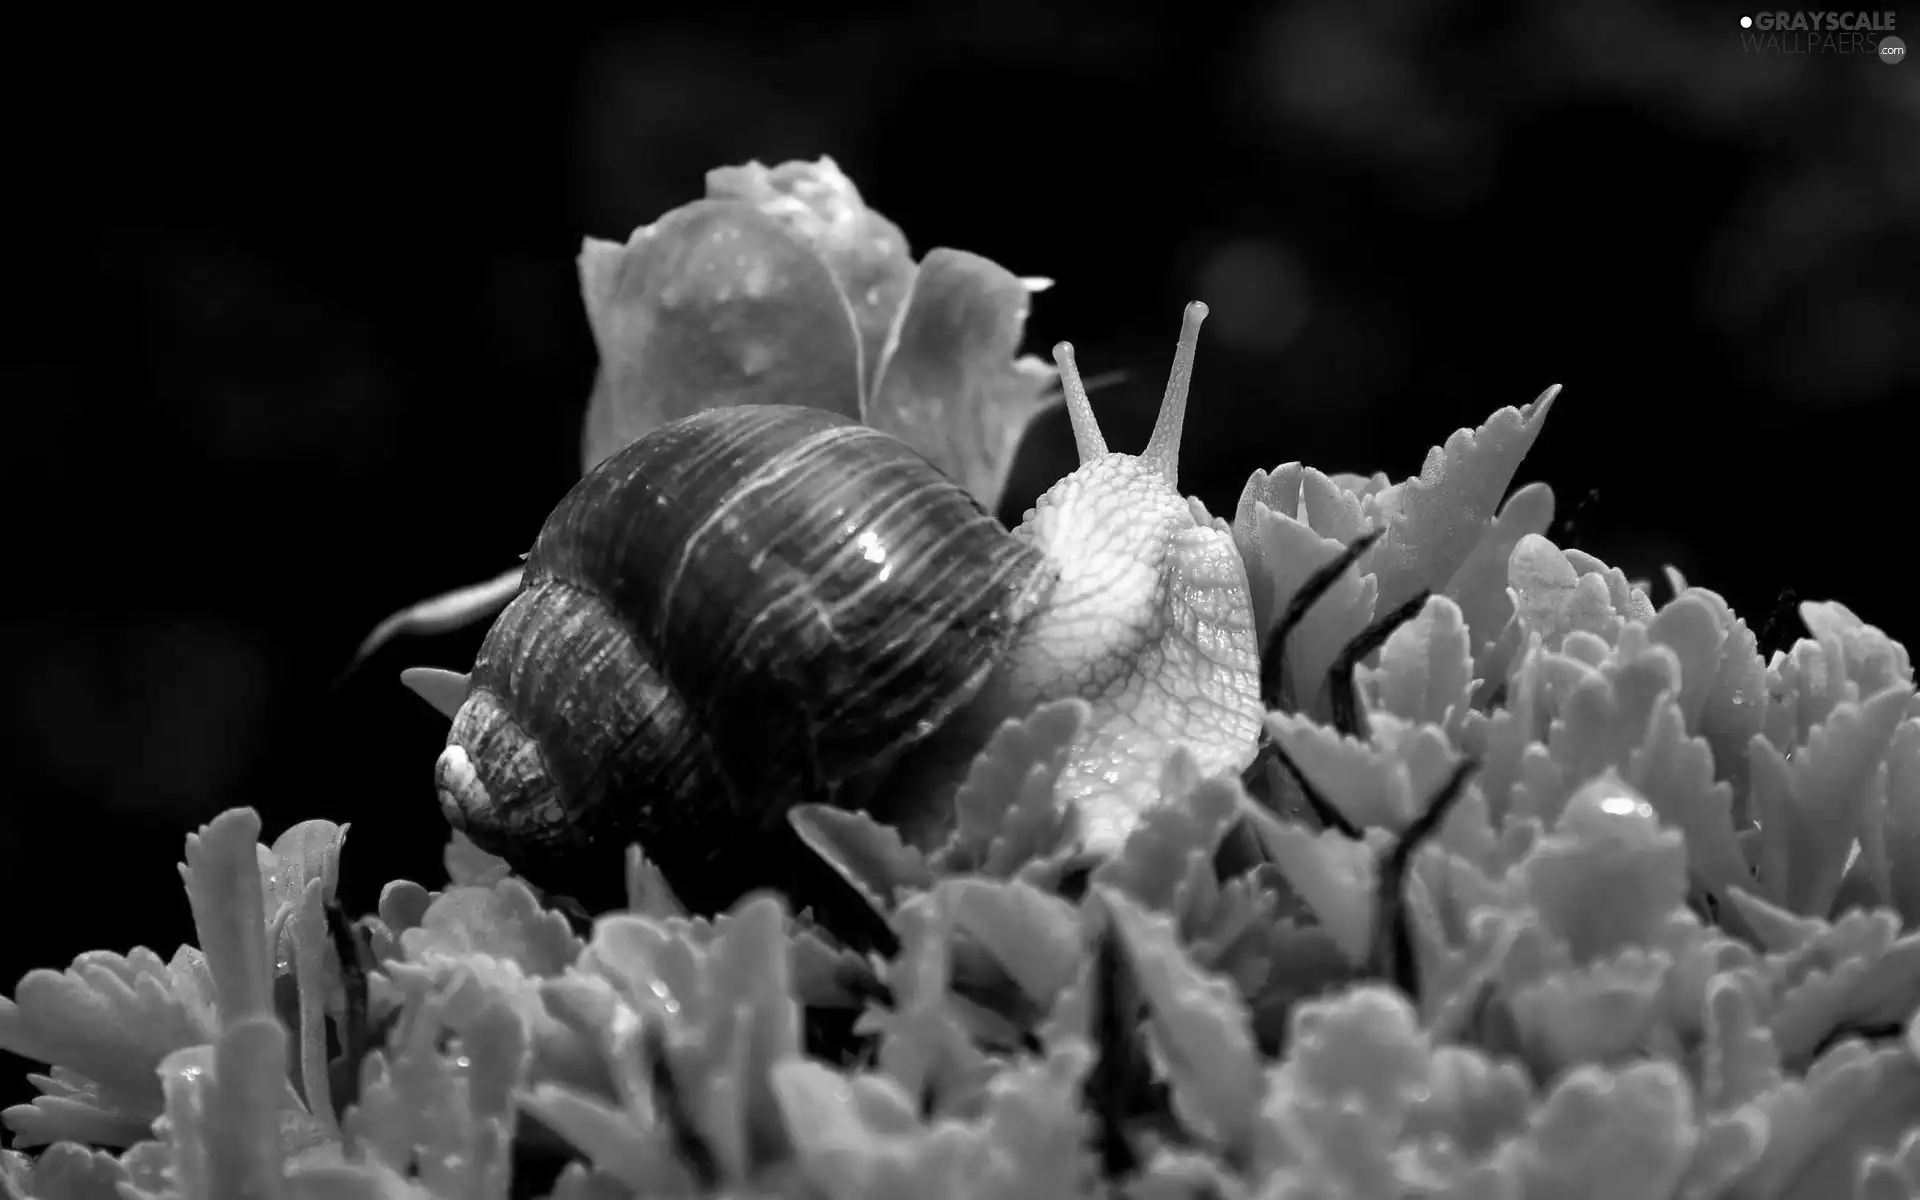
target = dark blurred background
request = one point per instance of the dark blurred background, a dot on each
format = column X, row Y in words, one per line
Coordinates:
column 299, row 336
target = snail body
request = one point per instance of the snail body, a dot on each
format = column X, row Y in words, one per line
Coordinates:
column 759, row 607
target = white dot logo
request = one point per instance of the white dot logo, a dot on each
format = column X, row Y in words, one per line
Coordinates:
column 1892, row 50
column 1746, row 22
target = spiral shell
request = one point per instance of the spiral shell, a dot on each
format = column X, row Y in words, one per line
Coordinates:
column 747, row 609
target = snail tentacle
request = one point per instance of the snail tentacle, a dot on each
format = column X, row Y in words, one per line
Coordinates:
column 1163, row 446
column 1087, row 438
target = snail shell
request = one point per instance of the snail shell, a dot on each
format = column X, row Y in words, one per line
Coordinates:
column 748, row 609
column 758, row 607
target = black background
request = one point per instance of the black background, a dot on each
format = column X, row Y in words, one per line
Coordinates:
column 297, row 336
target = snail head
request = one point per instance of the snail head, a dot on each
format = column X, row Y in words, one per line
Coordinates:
column 1150, row 622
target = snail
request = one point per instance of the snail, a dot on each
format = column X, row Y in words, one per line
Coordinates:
column 757, row 607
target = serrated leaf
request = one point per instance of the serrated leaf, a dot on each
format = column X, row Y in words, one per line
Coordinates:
column 107, row 1022
column 1033, row 936
column 1851, row 1100
column 1479, row 586
column 1004, row 811
column 1675, row 774
column 1874, row 661
column 924, row 1043
column 1739, row 1062
column 1426, row 667
column 1612, row 1135
column 503, row 921
column 1172, row 848
column 1281, row 553
column 1278, row 490
column 1199, row 1024
column 1552, row 599
column 1901, row 827
column 67, row 1171
column 1435, row 519
column 1330, row 510
column 1810, row 810
column 869, row 855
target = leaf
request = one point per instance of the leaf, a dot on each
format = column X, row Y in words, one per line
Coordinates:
column 1334, row 874
column 1810, row 810
column 1362, row 1049
column 1434, row 520
column 869, row 855
column 1169, row 856
column 1035, row 937
column 222, row 874
column 648, row 892
column 1901, row 829
column 1004, row 811
column 1382, row 782
column 1553, row 599
column 855, row 1137
column 457, row 609
column 1281, row 553
column 224, row 1110
column 1199, row 1024
column 1603, row 1012
column 1329, row 509
column 306, row 852
column 1852, row 1100
column 1607, row 842
column 726, row 1064
column 107, row 1023
column 470, row 866
column 403, row 905
column 503, row 921
column 1674, row 773
column 1479, row 586
column 1857, row 974
column 924, row 1043
column 1426, row 667
column 1735, row 706
column 1277, row 490
column 67, row 1171
column 1873, row 660
column 949, row 384
column 1600, row 1134
column 1739, row 1061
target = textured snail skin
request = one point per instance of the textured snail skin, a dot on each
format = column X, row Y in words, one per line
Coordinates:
column 748, row 609
column 1152, row 625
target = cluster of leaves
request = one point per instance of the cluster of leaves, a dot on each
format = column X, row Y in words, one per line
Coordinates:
column 1660, row 939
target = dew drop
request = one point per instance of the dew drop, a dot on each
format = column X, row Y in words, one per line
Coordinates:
column 1620, row 804
column 664, row 994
